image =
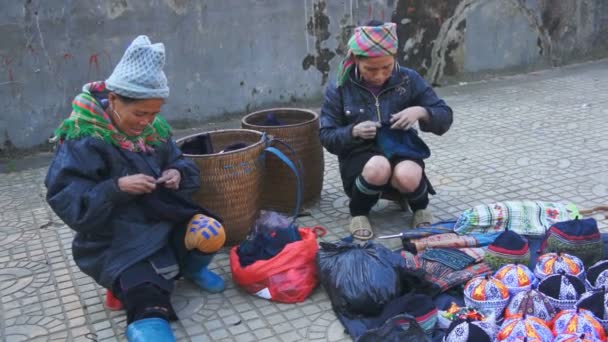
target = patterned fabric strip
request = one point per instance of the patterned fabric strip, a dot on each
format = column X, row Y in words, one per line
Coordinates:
column 522, row 217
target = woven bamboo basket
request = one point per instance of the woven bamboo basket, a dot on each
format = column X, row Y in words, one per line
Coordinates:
column 300, row 130
column 231, row 181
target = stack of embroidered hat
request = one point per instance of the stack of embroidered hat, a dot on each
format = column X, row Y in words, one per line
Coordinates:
column 563, row 290
column 487, row 294
column 597, row 276
column 532, row 303
column 553, row 263
column 575, row 338
column 470, row 331
column 508, row 248
column 595, row 301
column 578, row 321
column 517, row 278
column 519, row 328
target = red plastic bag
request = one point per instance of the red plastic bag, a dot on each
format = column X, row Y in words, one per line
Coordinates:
column 289, row 277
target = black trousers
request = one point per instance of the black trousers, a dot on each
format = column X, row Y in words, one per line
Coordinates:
column 143, row 292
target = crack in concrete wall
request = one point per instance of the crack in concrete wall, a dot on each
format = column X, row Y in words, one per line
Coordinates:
column 449, row 34
column 544, row 40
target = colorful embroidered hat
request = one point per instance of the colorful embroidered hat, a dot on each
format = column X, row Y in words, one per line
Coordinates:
column 578, row 321
column 597, row 275
column 575, row 338
column 563, row 290
column 524, row 327
column 487, row 294
column 595, row 301
column 532, row 303
column 516, row 277
column 551, row 263
column 578, row 237
column 470, row 331
column 508, row 248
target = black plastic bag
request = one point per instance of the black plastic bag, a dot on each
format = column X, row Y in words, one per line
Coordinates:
column 360, row 279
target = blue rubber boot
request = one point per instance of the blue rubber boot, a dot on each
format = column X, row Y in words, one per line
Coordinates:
column 150, row 330
column 195, row 269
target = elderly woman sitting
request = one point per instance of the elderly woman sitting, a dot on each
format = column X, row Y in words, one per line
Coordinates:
column 122, row 184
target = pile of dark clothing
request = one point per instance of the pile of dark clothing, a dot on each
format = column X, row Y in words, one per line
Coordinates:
column 269, row 235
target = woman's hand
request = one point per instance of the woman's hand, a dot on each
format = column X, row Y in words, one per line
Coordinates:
column 170, row 179
column 137, row 184
column 365, row 129
column 408, row 117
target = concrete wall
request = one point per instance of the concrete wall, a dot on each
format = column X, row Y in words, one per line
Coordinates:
column 233, row 56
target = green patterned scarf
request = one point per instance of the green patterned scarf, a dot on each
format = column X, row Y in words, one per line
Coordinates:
column 88, row 118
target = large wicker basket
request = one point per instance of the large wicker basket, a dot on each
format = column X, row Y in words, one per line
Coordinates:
column 231, row 181
column 299, row 129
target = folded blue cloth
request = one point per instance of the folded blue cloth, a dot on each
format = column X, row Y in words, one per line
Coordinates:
column 399, row 143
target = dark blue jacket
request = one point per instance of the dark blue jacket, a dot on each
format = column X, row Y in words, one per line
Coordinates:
column 352, row 103
column 113, row 229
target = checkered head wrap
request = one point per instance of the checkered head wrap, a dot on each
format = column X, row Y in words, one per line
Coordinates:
column 369, row 41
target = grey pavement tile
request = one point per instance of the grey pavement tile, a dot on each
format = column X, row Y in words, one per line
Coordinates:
column 511, row 139
column 213, row 324
column 200, row 338
column 271, row 339
column 249, row 315
column 238, row 329
column 246, row 337
column 219, row 334
column 256, row 323
column 263, row 333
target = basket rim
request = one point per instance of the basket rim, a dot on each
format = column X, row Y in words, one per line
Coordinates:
column 213, row 155
column 248, row 116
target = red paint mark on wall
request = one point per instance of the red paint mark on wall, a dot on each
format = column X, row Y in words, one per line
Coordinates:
column 95, row 64
column 370, row 11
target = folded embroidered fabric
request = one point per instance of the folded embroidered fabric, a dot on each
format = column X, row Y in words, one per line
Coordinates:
column 453, row 258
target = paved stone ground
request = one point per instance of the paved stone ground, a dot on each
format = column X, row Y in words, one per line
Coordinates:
column 536, row 136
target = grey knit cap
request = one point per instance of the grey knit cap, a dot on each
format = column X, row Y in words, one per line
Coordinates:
column 139, row 74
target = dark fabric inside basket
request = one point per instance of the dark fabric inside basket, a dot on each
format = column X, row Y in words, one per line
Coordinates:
column 197, row 145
